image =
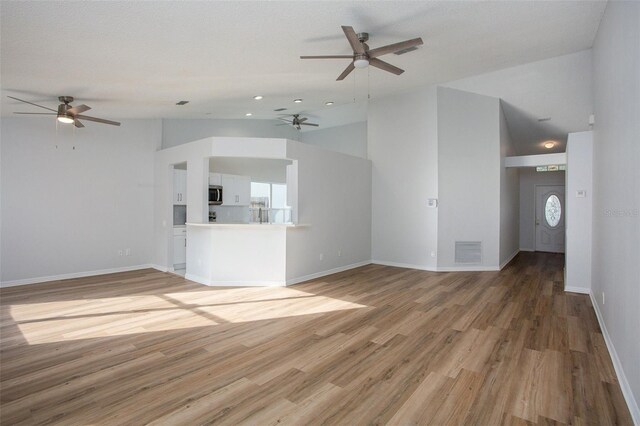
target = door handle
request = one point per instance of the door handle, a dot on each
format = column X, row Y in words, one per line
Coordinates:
column 537, row 222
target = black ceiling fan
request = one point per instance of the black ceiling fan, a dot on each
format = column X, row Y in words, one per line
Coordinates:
column 363, row 56
column 296, row 121
column 67, row 113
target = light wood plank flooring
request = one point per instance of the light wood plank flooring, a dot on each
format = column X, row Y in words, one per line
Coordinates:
column 374, row 345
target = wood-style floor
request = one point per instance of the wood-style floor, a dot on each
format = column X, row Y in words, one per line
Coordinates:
column 374, row 345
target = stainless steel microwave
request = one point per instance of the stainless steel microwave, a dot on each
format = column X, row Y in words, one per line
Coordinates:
column 215, row 195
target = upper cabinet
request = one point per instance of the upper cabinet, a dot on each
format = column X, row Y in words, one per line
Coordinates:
column 179, row 187
column 236, row 190
column 215, row 179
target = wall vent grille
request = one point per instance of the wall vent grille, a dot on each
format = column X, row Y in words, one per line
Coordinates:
column 468, row 251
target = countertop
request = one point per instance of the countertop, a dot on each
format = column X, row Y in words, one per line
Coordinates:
column 246, row 225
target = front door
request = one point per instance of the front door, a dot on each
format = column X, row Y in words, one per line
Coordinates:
column 550, row 218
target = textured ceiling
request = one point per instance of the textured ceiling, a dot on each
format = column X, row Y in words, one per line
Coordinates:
column 137, row 59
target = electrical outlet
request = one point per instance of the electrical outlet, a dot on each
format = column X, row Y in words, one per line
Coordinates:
column 120, row 253
column 433, row 253
column 603, row 297
column 339, row 253
column 127, row 252
column 321, row 256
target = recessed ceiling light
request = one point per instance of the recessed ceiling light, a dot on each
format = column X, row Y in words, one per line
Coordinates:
column 248, row 114
column 549, row 144
column 328, row 103
column 297, row 101
column 257, row 97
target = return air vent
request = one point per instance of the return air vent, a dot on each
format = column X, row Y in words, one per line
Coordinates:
column 468, row 252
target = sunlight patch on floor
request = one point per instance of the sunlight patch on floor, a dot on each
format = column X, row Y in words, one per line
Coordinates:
column 97, row 318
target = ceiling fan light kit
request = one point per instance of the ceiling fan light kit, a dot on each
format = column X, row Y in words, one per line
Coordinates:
column 362, row 56
column 66, row 113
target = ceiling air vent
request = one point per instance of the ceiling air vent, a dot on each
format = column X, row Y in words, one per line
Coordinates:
column 280, row 109
column 182, row 103
column 468, row 252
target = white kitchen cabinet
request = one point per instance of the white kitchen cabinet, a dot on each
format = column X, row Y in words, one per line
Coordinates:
column 215, row 179
column 179, row 249
column 236, row 190
column 243, row 190
column 179, row 187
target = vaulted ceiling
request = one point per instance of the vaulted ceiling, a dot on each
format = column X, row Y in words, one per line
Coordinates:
column 137, row 59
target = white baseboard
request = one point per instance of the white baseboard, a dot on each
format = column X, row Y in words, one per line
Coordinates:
column 526, row 249
column 476, row 268
column 405, row 265
column 580, row 290
column 72, row 275
column 617, row 365
column 327, row 272
column 509, row 259
column 161, row 268
column 470, row 268
column 212, row 283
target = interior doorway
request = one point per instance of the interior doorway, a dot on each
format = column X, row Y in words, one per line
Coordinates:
column 549, row 223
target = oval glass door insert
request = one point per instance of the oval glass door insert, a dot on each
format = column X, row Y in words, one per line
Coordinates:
column 552, row 210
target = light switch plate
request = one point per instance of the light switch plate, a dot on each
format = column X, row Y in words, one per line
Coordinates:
column 581, row 193
column 432, row 202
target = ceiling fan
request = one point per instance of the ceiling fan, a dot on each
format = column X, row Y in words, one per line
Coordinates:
column 363, row 56
column 66, row 113
column 296, row 121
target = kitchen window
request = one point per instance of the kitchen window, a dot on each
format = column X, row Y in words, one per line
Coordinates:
column 269, row 203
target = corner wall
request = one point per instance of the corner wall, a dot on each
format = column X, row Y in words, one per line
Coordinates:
column 509, row 197
column 403, row 147
column 468, row 176
column 579, row 212
column 616, row 188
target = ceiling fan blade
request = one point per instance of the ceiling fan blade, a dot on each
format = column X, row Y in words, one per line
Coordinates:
column 303, row 119
column 309, row 124
column 31, row 103
column 385, row 66
column 97, row 120
column 345, row 72
column 282, row 124
column 37, row 113
column 354, row 41
column 78, row 109
column 390, row 48
column 78, row 124
column 327, row 57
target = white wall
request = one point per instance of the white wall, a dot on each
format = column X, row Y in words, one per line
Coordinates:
column 349, row 139
column 509, row 198
column 468, row 175
column 179, row 131
column 579, row 212
column 403, row 147
column 69, row 211
column 529, row 179
column 558, row 87
column 616, row 181
column 334, row 199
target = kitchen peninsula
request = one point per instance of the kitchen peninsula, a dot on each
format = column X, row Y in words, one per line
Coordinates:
column 238, row 254
column 326, row 191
